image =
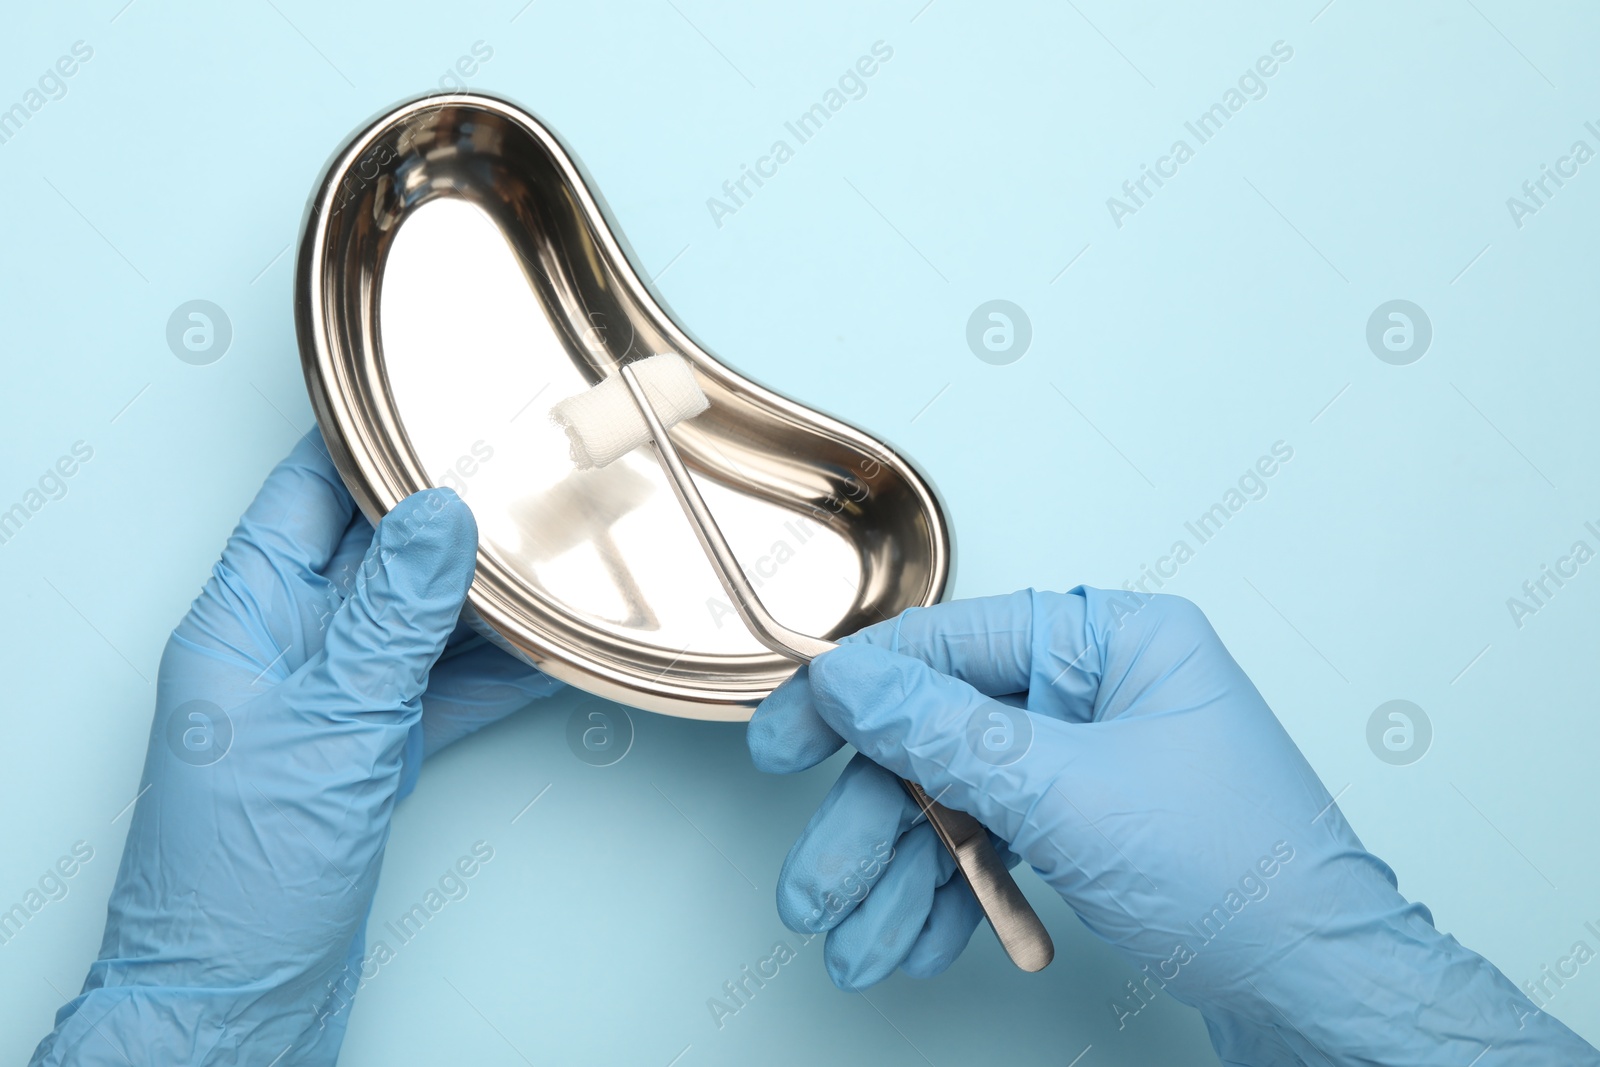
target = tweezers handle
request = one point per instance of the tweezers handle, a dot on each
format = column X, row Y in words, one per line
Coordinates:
column 1010, row 915
column 1012, row 918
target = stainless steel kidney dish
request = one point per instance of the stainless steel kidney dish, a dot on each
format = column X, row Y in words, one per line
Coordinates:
column 457, row 275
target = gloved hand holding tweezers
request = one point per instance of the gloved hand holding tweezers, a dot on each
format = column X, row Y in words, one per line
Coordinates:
column 1151, row 787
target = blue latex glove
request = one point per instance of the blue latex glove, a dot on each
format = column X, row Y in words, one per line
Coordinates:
column 335, row 658
column 1144, row 779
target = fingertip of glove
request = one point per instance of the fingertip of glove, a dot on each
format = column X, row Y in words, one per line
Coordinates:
column 860, row 677
column 785, row 735
column 770, row 751
column 796, row 911
column 434, row 537
column 839, row 968
column 846, row 662
column 927, row 965
column 766, row 733
column 850, row 971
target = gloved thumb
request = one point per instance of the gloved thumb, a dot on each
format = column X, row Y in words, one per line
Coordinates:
column 969, row 751
column 386, row 637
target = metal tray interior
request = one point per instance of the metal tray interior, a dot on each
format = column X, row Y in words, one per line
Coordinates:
column 457, row 275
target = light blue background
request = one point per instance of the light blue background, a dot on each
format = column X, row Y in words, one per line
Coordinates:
column 1224, row 316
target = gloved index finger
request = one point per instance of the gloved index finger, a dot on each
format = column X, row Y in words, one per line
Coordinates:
column 985, row 642
column 918, row 723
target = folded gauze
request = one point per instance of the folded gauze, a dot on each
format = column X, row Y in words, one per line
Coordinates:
column 604, row 424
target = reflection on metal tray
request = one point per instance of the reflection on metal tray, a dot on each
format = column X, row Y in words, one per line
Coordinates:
column 457, row 275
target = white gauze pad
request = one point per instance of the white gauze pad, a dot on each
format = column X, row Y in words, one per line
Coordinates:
column 604, row 423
